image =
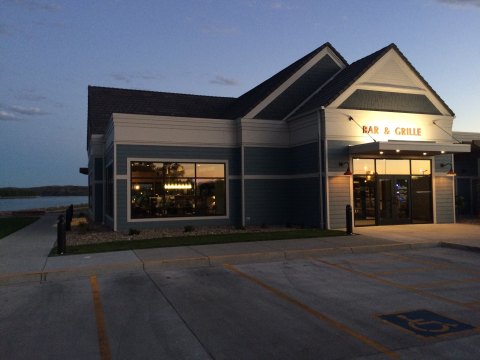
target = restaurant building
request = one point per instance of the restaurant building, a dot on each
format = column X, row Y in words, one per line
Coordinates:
column 295, row 150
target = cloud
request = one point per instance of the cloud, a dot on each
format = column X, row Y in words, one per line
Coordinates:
column 32, row 111
column 128, row 78
column 38, row 5
column 221, row 80
column 272, row 4
column 280, row 5
column 218, row 29
column 461, row 3
column 16, row 112
column 30, row 95
column 5, row 115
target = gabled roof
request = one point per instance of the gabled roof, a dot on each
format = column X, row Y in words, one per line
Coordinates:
column 250, row 99
column 352, row 73
column 103, row 102
column 342, row 81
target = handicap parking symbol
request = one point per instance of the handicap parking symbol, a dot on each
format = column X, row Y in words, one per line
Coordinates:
column 426, row 323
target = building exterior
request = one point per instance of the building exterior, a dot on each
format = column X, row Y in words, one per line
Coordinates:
column 278, row 154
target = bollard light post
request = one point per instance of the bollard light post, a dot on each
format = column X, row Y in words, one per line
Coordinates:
column 61, row 235
column 349, row 219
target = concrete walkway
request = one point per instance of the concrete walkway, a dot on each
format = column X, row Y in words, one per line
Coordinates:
column 24, row 254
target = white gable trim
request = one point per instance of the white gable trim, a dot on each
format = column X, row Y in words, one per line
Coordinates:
column 263, row 104
column 372, row 80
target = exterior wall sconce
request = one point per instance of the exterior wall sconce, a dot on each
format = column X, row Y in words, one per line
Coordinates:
column 449, row 172
column 348, row 172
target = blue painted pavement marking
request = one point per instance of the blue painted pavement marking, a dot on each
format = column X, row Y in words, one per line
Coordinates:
column 426, row 323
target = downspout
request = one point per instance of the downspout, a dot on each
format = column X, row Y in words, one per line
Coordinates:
column 242, row 165
column 320, row 169
column 243, row 185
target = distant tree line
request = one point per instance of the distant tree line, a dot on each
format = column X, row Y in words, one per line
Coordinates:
column 68, row 190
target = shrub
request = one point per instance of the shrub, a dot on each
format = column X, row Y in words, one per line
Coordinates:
column 83, row 227
column 132, row 232
column 188, row 228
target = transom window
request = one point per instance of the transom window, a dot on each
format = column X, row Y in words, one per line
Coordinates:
column 391, row 167
column 177, row 189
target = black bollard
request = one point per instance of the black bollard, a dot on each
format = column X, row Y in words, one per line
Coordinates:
column 349, row 219
column 61, row 236
column 68, row 218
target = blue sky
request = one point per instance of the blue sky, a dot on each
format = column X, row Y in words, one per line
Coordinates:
column 50, row 51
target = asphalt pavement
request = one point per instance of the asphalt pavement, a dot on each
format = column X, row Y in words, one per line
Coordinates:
column 24, row 254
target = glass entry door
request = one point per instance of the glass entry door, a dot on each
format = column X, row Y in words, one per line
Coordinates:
column 393, row 200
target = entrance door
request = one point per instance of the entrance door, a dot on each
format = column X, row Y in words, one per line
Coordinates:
column 393, row 205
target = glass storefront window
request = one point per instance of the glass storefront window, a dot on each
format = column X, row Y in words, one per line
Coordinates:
column 173, row 189
column 393, row 167
column 399, row 191
column 363, row 166
column 210, row 170
column 421, row 167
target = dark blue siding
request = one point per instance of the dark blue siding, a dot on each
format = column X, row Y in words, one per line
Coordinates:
column 267, row 202
column 267, row 161
column 304, row 159
column 98, row 202
column 305, row 202
column 338, row 152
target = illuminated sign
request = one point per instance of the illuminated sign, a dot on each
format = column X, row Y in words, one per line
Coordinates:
column 400, row 131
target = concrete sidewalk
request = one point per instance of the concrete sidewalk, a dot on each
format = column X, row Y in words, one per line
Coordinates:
column 24, row 254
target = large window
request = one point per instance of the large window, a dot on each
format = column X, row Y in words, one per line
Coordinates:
column 174, row 189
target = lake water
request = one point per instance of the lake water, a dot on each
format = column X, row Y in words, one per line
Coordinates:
column 41, row 202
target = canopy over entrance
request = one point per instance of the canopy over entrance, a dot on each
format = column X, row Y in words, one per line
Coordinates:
column 412, row 148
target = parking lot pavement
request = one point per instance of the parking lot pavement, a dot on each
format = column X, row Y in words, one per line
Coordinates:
column 421, row 303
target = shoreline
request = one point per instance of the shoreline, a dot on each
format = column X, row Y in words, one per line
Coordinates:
column 42, row 211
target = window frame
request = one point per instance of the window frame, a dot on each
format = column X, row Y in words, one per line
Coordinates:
column 177, row 218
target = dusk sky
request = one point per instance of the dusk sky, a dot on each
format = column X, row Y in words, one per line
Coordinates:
column 50, row 51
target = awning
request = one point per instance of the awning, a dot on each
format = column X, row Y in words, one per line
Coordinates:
column 412, row 148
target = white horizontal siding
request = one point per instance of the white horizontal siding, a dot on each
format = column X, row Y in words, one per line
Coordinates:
column 339, row 198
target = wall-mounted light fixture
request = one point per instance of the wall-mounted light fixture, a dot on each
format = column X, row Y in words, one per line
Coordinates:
column 348, row 172
column 449, row 172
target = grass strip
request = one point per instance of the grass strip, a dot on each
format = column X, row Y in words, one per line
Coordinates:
column 198, row 240
column 9, row 225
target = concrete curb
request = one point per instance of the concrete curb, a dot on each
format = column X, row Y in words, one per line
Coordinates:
column 207, row 261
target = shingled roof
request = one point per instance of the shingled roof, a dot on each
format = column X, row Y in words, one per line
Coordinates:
column 250, row 99
column 103, row 102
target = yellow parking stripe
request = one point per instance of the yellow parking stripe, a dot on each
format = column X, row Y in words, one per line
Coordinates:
column 367, row 341
column 394, row 284
column 436, row 284
column 101, row 329
column 436, row 264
